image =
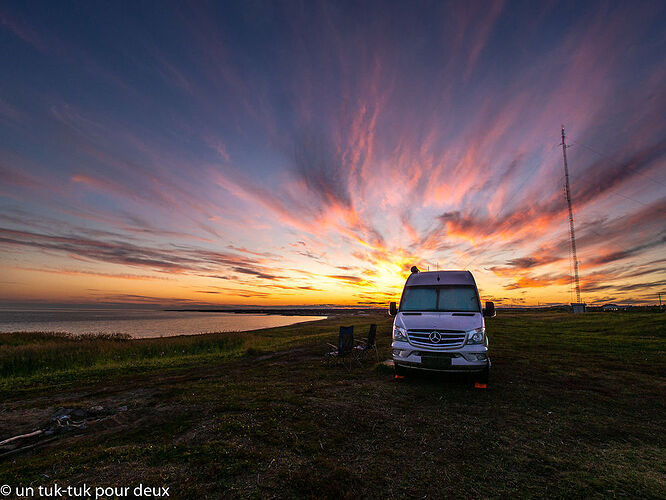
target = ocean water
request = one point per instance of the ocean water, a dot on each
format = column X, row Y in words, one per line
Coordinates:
column 140, row 323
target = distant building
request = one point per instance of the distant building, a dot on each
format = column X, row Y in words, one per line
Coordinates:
column 578, row 308
column 614, row 307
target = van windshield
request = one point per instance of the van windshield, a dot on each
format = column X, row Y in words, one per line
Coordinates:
column 452, row 298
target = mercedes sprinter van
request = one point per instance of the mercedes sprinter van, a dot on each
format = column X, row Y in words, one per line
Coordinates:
column 439, row 325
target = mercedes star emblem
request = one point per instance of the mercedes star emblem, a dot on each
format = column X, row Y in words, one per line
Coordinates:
column 435, row 337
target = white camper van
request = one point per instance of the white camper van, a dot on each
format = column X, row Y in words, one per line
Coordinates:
column 440, row 326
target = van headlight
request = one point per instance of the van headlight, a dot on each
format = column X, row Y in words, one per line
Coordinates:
column 476, row 336
column 399, row 333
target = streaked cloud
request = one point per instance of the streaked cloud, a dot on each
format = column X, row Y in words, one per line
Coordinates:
column 312, row 153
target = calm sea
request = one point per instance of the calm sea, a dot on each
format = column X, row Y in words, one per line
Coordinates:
column 140, row 323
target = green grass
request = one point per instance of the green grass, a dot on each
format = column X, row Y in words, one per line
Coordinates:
column 575, row 408
column 33, row 360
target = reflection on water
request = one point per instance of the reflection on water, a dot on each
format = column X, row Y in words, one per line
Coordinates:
column 140, row 323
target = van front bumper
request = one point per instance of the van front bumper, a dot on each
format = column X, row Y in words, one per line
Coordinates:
column 467, row 359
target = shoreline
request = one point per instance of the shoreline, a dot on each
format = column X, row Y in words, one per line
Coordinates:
column 162, row 325
column 289, row 311
column 103, row 335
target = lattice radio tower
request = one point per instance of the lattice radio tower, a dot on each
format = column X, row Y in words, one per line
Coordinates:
column 567, row 190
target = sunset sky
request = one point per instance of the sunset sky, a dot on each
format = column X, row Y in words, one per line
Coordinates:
column 288, row 153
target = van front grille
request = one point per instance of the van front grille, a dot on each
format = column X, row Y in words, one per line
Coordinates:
column 445, row 339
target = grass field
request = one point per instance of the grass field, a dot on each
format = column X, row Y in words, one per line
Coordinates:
column 576, row 407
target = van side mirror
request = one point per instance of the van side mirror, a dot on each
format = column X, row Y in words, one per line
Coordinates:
column 489, row 310
column 393, row 310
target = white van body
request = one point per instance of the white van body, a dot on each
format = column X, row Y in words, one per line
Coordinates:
column 440, row 325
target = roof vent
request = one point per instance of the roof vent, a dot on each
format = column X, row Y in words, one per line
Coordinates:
column 415, row 269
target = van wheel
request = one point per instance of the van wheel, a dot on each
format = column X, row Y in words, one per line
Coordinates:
column 400, row 370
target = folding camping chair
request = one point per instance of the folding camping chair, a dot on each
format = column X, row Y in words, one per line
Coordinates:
column 345, row 349
column 364, row 347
